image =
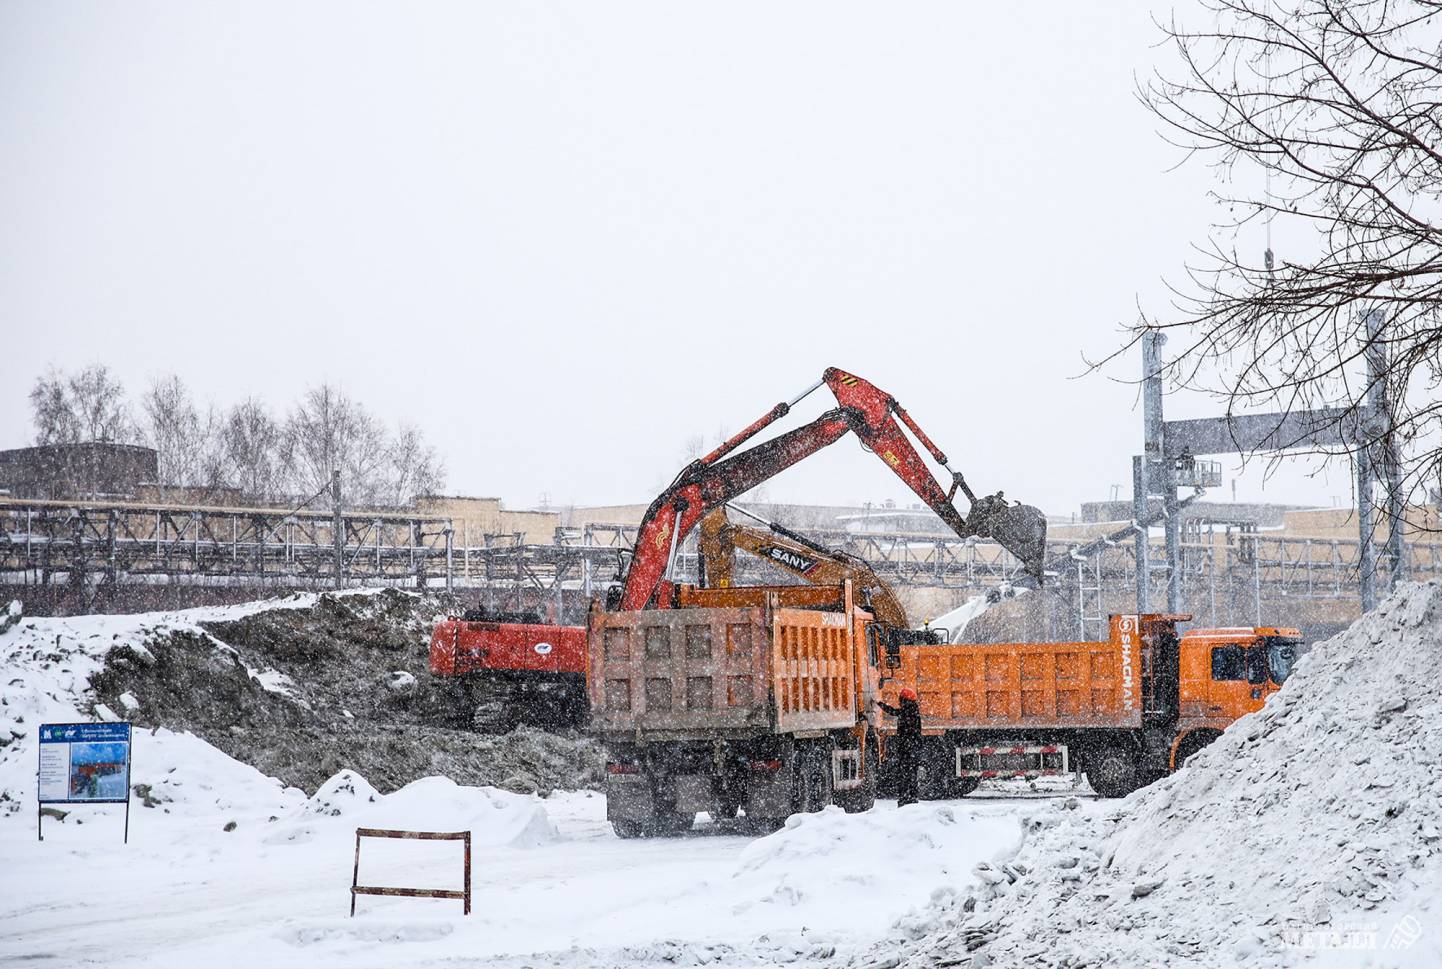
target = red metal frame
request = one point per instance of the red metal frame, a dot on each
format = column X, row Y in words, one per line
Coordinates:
column 358, row 889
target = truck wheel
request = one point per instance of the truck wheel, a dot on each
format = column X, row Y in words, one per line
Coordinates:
column 1193, row 743
column 672, row 824
column 628, row 829
column 761, row 826
column 1112, row 771
column 814, row 789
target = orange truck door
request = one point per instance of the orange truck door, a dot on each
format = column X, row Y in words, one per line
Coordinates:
column 1239, row 679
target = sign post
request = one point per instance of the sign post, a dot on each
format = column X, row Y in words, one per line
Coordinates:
column 83, row 763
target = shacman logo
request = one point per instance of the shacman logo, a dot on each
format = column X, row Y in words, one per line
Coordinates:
column 1128, row 629
column 789, row 559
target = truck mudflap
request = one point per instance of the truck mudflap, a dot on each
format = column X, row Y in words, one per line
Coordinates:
column 768, row 793
column 1016, row 760
column 628, row 798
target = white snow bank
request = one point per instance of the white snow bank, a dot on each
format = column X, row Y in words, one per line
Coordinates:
column 827, row 870
column 494, row 817
column 345, row 793
column 1311, row 824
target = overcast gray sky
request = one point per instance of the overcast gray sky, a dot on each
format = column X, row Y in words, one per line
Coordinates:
column 564, row 237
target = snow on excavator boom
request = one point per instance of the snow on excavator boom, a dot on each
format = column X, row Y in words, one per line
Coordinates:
column 868, row 412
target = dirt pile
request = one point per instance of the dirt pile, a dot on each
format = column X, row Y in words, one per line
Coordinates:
column 1311, row 828
column 304, row 687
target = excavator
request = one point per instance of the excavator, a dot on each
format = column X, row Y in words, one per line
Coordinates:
column 470, row 650
column 877, row 419
column 720, row 538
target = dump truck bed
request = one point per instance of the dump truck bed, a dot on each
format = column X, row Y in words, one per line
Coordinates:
column 716, row 671
column 1023, row 685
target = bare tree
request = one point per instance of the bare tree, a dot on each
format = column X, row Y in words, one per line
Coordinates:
column 81, row 407
column 186, row 440
column 413, row 469
column 327, row 431
column 251, row 443
column 1322, row 117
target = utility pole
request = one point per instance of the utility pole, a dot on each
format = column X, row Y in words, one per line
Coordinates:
column 1140, row 515
column 1379, row 423
column 1160, row 470
column 337, row 528
column 1366, row 551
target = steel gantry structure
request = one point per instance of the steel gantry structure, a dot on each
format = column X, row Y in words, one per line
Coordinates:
column 97, row 542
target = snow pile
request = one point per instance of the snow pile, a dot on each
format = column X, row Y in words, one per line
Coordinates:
column 493, row 817
column 827, row 870
column 344, row 794
column 300, row 687
column 1311, row 826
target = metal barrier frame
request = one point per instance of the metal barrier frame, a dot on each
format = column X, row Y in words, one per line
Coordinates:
column 358, row 889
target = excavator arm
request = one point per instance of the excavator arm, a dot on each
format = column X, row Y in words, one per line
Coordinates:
column 870, row 414
column 794, row 553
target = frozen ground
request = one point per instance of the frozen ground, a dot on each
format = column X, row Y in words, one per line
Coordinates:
column 229, row 867
column 1308, row 835
column 549, row 878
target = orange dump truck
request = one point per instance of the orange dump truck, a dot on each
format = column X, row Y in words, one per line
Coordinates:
column 1124, row 712
column 734, row 701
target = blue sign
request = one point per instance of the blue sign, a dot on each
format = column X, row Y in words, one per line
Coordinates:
column 88, row 762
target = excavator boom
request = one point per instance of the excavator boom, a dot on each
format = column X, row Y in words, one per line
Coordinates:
column 867, row 412
column 794, row 553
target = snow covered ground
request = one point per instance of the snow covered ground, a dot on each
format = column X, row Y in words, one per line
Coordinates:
column 549, row 876
column 226, row 867
column 1307, row 835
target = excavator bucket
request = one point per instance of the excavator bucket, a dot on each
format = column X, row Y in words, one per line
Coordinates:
column 1020, row 529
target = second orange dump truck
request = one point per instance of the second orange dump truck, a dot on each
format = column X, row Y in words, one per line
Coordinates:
column 1123, row 712
column 754, row 700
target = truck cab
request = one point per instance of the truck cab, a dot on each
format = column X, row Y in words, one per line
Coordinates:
column 1227, row 673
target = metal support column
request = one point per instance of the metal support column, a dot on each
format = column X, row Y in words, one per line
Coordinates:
column 1139, row 515
column 1388, row 460
column 450, row 549
column 338, row 528
column 1366, row 551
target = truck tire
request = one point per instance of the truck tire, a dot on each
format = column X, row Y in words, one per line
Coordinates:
column 671, row 824
column 814, row 783
column 1193, row 743
column 628, row 829
column 761, row 826
column 1112, row 771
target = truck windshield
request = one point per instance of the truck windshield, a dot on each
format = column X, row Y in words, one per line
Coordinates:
column 1281, row 656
